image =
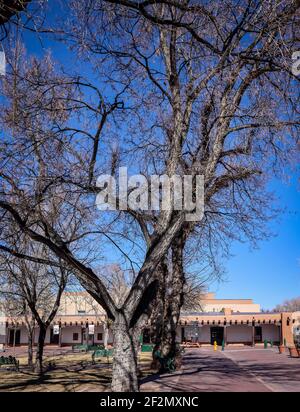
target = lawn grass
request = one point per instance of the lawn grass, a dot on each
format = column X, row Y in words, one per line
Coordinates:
column 73, row 372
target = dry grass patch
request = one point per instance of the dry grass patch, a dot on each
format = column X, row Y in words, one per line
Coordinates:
column 73, row 372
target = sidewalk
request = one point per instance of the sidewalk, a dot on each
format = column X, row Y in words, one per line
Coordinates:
column 236, row 370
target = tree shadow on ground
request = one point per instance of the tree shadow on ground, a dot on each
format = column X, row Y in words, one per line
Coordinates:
column 206, row 371
column 63, row 378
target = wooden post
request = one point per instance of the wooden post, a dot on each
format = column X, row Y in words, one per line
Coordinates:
column 6, row 336
column 253, row 334
column 60, row 336
column 87, row 333
column 15, row 341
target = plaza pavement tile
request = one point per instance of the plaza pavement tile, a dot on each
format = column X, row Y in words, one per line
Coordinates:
column 279, row 372
column 234, row 370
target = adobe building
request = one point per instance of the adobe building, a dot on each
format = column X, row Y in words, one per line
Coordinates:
column 237, row 321
column 229, row 321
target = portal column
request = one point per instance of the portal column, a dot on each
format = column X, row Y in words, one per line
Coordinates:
column 6, row 335
column 60, row 336
column 253, row 333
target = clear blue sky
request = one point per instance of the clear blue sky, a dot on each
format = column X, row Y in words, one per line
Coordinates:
column 269, row 274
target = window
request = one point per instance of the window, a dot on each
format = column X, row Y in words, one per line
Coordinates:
column 81, row 312
column 75, row 336
column 99, row 336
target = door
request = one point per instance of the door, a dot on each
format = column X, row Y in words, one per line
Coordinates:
column 54, row 339
column 14, row 337
column 258, row 334
column 216, row 334
column 86, row 338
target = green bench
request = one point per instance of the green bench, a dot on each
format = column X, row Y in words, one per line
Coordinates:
column 86, row 348
column 166, row 364
column 147, row 348
column 95, row 347
column 9, row 361
column 102, row 353
column 266, row 342
column 80, row 348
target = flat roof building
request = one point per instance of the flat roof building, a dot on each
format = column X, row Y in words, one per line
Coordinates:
column 227, row 321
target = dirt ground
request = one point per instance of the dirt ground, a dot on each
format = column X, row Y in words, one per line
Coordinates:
column 73, row 372
column 203, row 370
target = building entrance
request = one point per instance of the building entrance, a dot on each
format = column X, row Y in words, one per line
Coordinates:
column 14, row 337
column 216, row 334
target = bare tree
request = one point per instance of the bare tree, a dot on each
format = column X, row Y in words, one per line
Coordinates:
column 208, row 90
column 14, row 305
column 10, row 8
column 291, row 305
column 34, row 291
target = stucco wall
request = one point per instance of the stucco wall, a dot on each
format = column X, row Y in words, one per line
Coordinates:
column 235, row 307
column 2, row 332
column 239, row 333
column 66, row 335
column 80, row 302
column 203, row 333
column 271, row 332
column 235, row 334
column 23, row 336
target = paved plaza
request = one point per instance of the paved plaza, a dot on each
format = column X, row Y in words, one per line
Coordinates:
column 237, row 369
column 234, row 370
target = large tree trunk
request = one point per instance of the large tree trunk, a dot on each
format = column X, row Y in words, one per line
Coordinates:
column 30, row 326
column 125, row 371
column 30, row 333
column 158, row 315
column 40, row 349
column 175, row 298
column 170, row 301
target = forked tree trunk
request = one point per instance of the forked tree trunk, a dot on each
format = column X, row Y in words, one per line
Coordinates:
column 125, row 370
column 40, row 349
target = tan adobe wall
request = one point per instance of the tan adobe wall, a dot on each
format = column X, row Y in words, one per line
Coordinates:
column 235, row 307
column 79, row 303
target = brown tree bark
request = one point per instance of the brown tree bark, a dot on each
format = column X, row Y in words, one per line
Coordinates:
column 8, row 8
column 30, row 347
column 170, row 301
column 125, row 370
column 158, row 315
column 40, row 349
